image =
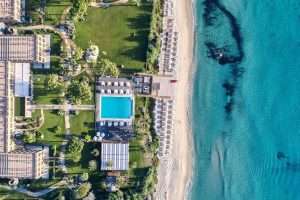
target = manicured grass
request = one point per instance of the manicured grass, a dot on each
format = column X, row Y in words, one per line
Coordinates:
column 136, row 153
column 19, row 106
column 51, row 121
column 53, row 10
column 83, row 123
column 10, row 195
column 55, row 44
column 120, row 31
column 40, row 92
column 83, row 165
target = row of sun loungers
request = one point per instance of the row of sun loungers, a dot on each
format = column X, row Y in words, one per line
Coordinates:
column 114, row 123
column 169, row 48
column 168, row 8
column 115, row 83
column 163, row 124
column 113, row 91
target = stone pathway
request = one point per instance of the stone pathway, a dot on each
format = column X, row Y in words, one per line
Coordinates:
column 65, row 107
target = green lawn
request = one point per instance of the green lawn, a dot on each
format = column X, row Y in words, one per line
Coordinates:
column 40, row 93
column 51, row 121
column 53, row 11
column 136, row 153
column 10, row 195
column 83, row 123
column 121, row 31
column 83, row 165
column 19, row 106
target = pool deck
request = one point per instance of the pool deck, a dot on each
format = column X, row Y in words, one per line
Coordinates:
column 163, row 86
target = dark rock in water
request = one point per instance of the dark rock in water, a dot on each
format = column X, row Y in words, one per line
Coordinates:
column 237, row 72
column 229, row 88
column 281, row 155
column 293, row 166
column 229, row 106
column 220, row 54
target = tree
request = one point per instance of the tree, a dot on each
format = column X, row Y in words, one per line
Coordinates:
column 92, row 165
column 138, row 3
column 82, row 191
column 108, row 68
column 95, row 152
column 116, row 195
column 87, row 138
column 57, row 129
column 84, row 177
column 92, row 53
column 39, row 135
column 90, row 196
column 29, row 137
column 78, row 53
column 52, row 82
column 79, row 91
column 149, row 181
column 75, row 146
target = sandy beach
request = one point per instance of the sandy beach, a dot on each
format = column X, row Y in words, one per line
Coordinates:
column 181, row 155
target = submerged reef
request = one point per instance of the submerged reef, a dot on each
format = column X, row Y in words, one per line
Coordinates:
column 224, row 45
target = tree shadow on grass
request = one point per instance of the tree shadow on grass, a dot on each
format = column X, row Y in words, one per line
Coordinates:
column 86, row 155
column 140, row 22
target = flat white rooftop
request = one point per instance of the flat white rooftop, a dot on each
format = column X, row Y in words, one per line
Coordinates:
column 22, row 79
column 114, row 156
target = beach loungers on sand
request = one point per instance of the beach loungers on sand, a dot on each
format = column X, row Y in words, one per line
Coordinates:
column 163, row 124
column 168, row 54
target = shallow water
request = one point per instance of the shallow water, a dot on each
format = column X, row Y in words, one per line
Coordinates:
column 247, row 132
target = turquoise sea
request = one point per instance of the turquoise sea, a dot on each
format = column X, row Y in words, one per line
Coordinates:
column 246, row 100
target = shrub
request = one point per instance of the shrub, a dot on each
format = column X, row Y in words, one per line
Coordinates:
column 92, row 165
column 75, row 146
column 82, row 190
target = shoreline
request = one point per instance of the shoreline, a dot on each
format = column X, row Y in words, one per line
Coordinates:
column 182, row 151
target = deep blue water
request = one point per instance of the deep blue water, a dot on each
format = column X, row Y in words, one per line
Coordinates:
column 247, row 131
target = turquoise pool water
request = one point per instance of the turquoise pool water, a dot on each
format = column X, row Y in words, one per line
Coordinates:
column 116, row 107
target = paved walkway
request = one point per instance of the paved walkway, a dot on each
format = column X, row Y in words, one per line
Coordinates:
column 65, row 107
column 36, row 194
column 42, row 192
column 106, row 5
column 69, row 43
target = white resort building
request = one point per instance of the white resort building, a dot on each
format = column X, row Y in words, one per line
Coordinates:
column 16, row 161
column 10, row 11
column 33, row 49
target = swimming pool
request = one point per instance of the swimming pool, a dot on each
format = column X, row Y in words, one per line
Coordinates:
column 116, row 107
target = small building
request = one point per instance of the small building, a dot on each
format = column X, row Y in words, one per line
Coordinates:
column 92, row 53
column 142, row 84
column 114, row 156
